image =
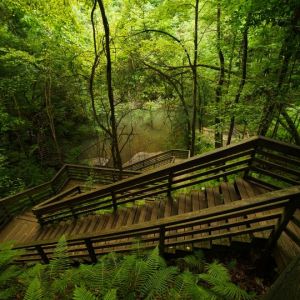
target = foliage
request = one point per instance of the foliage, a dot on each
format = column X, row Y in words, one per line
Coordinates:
column 139, row 275
column 8, row 271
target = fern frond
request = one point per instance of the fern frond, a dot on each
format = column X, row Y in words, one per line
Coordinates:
column 60, row 261
column 34, row 290
column 218, row 272
column 124, row 272
column 8, row 255
column 98, row 277
column 194, row 263
column 29, row 274
column 154, row 260
column 159, row 283
column 81, row 293
column 230, row 291
column 111, row 295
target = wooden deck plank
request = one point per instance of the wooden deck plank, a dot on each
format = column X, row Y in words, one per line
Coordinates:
column 258, row 190
column 219, row 201
column 181, row 207
column 203, row 204
column 252, row 192
column 225, row 192
column 241, row 190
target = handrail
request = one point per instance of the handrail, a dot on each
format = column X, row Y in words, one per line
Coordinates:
column 208, row 166
column 167, row 232
column 12, row 205
column 160, row 157
column 216, row 164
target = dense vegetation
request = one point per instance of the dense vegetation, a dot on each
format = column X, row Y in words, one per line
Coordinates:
column 73, row 72
column 140, row 275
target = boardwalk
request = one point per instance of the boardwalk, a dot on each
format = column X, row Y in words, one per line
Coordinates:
column 238, row 194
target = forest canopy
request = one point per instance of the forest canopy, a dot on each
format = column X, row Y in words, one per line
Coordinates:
column 73, row 72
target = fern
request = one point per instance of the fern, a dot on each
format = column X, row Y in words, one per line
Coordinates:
column 60, row 261
column 111, row 295
column 121, row 277
column 195, row 262
column 81, row 293
column 8, row 271
column 34, row 290
column 218, row 271
column 231, row 291
column 221, row 287
column 159, row 283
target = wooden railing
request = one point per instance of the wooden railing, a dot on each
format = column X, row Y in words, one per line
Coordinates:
column 240, row 159
column 275, row 164
column 12, row 205
column 159, row 160
column 214, row 165
column 184, row 229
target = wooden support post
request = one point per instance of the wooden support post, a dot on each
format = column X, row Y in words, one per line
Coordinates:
column 114, row 202
column 281, row 225
column 246, row 174
column 89, row 246
column 170, row 181
column 162, row 233
column 42, row 254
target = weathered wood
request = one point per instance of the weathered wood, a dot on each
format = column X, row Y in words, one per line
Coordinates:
column 274, row 175
column 287, row 284
column 282, row 223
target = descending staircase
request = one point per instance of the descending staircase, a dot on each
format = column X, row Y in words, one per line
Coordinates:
column 218, row 199
column 150, row 211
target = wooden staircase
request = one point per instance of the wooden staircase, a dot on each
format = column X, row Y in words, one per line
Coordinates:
column 218, row 199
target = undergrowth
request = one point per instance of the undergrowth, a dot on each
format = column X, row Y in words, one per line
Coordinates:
column 138, row 275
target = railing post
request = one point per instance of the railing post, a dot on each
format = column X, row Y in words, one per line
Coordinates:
column 252, row 157
column 42, row 254
column 114, row 202
column 170, row 181
column 162, row 233
column 90, row 248
column 281, row 224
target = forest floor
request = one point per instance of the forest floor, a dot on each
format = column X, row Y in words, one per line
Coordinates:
column 245, row 269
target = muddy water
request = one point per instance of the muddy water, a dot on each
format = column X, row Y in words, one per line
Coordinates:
column 151, row 133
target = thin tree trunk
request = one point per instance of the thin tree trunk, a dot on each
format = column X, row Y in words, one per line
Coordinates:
column 195, row 80
column 243, row 79
column 49, row 110
column 288, row 49
column 114, row 142
column 218, row 123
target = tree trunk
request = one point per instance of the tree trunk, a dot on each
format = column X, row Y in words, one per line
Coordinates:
column 243, row 79
column 195, row 81
column 114, row 132
column 218, row 123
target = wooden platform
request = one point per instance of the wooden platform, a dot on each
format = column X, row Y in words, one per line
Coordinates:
column 151, row 207
column 25, row 228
